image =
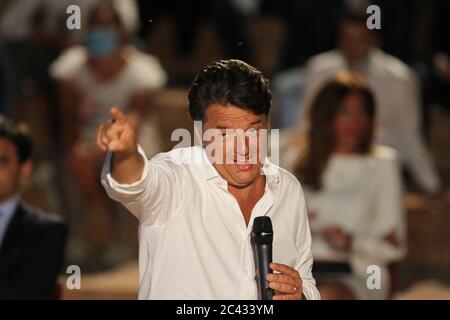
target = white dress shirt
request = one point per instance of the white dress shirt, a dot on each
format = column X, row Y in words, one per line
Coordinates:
column 396, row 92
column 194, row 243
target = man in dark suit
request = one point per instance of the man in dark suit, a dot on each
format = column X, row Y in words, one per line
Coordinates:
column 31, row 243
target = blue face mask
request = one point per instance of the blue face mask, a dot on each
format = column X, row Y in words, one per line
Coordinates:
column 101, row 42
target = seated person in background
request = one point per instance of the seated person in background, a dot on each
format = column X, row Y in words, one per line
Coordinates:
column 395, row 88
column 31, row 243
column 353, row 192
column 106, row 71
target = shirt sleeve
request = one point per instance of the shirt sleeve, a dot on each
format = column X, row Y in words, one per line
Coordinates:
column 155, row 196
column 149, row 73
column 409, row 142
column 305, row 260
column 69, row 64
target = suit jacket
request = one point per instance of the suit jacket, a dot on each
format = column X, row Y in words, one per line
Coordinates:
column 31, row 255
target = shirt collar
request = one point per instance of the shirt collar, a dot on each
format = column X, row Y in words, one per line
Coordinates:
column 207, row 168
column 272, row 173
column 9, row 206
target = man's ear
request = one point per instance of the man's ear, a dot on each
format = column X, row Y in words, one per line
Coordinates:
column 25, row 170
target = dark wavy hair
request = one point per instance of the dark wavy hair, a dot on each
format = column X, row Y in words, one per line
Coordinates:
column 229, row 82
column 18, row 136
column 320, row 140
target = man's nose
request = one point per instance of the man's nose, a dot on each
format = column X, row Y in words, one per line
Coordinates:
column 242, row 145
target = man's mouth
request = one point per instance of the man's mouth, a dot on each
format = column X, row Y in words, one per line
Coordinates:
column 243, row 164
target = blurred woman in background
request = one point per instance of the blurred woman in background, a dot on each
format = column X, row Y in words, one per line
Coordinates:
column 353, row 193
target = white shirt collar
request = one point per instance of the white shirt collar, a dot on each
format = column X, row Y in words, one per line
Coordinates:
column 9, row 206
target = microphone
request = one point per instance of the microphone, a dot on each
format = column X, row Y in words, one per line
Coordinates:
column 261, row 239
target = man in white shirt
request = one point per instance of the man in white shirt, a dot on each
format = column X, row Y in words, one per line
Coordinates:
column 196, row 208
column 396, row 89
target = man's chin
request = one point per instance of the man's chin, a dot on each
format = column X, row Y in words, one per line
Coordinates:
column 245, row 178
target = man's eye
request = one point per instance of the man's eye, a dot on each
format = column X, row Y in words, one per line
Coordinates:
column 227, row 134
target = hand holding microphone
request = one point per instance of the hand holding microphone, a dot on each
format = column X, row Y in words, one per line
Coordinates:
column 262, row 238
column 284, row 285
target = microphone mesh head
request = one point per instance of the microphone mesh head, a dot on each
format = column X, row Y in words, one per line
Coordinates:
column 262, row 224
column 262, row 232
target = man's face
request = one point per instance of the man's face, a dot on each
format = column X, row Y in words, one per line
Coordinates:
column 355, row 41
column 240, row 162
column 10, row 170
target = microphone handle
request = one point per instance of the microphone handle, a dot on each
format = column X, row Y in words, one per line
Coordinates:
column 263, row 257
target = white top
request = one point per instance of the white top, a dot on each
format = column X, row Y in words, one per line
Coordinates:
column 141, row 72
column 194, row 243
column 396, row 92
column 362, row 194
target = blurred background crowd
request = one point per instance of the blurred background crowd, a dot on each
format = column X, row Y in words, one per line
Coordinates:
column 142, row 56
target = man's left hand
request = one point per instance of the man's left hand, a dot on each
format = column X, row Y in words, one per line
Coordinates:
column 287, row 284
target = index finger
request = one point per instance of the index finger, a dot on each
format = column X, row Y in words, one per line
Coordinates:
column 118, row 115
column 284, row 269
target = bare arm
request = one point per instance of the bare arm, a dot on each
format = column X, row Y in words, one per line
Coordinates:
column 119, row 137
